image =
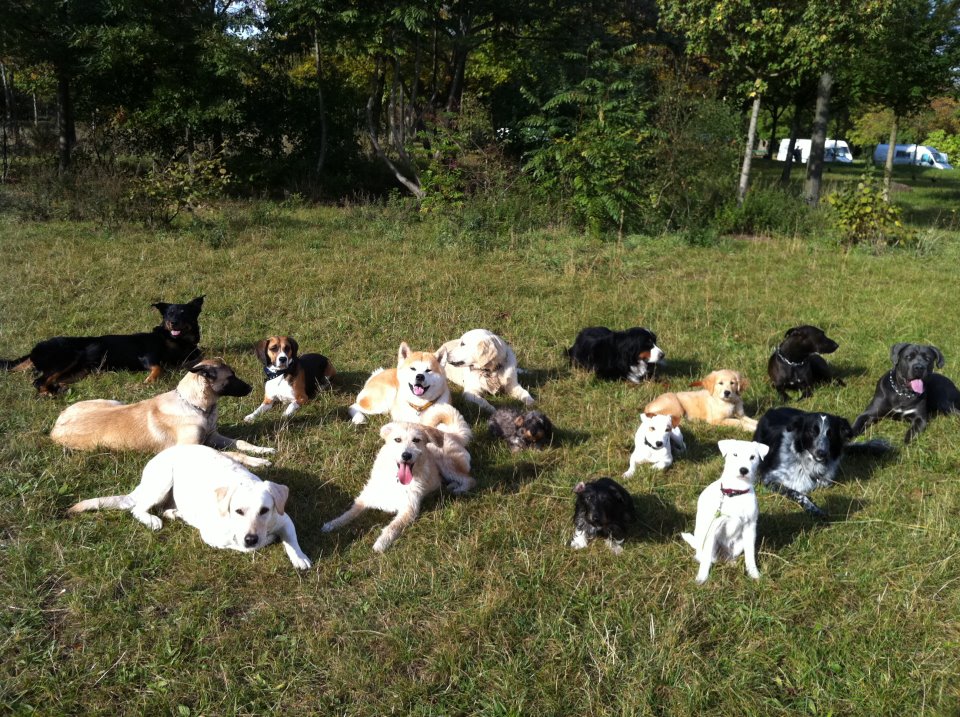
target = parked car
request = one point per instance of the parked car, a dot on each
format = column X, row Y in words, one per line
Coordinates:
column 834, row 150
column 919, row 155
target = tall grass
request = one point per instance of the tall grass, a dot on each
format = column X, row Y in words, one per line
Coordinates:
column 480, row 607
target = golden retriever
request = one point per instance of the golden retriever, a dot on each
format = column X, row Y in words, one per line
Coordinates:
column 718, row 402
column 480, row 362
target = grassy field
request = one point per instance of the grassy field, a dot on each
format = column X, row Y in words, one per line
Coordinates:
column 480, row 607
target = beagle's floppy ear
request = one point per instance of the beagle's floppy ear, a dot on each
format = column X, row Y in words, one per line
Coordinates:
column 260, row 349
column 895, row 352
column 279, row 493
column 224, row 494
column 402, row 352
column 490, row 351
column 294, row 346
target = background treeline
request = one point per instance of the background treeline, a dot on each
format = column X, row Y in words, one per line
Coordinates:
column 618, row 116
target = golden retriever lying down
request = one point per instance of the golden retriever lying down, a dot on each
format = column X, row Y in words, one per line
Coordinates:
column 718, row 402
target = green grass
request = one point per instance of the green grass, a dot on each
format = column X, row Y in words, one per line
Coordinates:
column 479, row 608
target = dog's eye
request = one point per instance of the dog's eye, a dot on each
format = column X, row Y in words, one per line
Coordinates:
column 264, row 510
column 240, row 511
column 752, row 457
column 273, row 349
column 416, row 440
column 426, row 370
column 463, row 343
column 396, row 440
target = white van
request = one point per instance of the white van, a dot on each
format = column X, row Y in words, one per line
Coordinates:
column 835, row 150
column 918, row 154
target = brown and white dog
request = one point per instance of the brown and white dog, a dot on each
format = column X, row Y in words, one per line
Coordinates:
column 483, row 363
column 405, row 392
column 185, row 415
column 289, row 378
column 718, row 403
column 411, row 465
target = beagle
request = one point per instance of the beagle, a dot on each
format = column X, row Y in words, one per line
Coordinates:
column 288, row 377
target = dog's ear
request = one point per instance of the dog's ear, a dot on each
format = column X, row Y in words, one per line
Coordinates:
column 697, row 383
column 206, row 370
column 675, row 420
column 279, row 493
column 648, row 415
column 939, row 356
column 845, row 429
column 294, row 346
column 762, row 448
column 162, row 307
column 790, row 332
column 518, row 421
column 260, row 349
column 895, row 352
column 387, row 429
column 491, row 351
column 198, row 302
column 726, row 446
column 224, row 494
column 742, row 383
column 402, row 352
column 710, row 382
column 441, row 354
column 580, row 487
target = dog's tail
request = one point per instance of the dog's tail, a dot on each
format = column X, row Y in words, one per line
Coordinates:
column 873, row 447
column 446, row 418
column 107, row 502
column 691, row 541
column 24, row 363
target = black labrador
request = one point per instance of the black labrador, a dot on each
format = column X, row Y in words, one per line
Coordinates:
column 796, row 363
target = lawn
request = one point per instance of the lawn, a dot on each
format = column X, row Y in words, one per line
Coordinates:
column 480, row 607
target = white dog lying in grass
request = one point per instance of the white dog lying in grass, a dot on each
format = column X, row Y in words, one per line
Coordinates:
column 727, row 511
column 656, row 438
column 228, row 504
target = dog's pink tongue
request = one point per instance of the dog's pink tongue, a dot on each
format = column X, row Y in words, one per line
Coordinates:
column 404, row 474
column 418, row 390
column 174, row 333
column 916, row 385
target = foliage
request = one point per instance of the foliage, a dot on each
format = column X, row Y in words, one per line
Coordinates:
column 182, row 184
column 949, row 144
column 767, row 211
column 593, row 140
column 864, row 217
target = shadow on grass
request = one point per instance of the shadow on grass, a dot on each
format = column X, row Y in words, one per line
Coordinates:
column 313, row 502
column 540, row 376
column 677, row 374
column 778, row 530
column 657, row 521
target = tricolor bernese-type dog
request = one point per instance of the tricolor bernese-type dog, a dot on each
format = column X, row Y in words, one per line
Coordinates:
column 631, row 355
column 289, row 377
column 65, row 359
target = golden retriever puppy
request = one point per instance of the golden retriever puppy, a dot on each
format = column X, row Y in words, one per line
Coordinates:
column 410, row 466
column 718, row 402
column 480, row 362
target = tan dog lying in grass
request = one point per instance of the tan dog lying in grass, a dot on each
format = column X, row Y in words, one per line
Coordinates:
column 409, row 467
column 185, row 415
column 481, row 362
column 718, row 402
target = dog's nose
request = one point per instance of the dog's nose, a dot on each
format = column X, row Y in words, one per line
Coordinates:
column 281, row 359
column 250, row 539
column 420, row 378
column 744, row 470
column 726, row 394
column 820, row 455
column 406, row 455
column 659, row 444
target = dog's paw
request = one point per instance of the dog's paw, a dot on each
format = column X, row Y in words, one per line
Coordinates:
column 528, row 400
column 327, row 527
column 301, row 562
column 358, row 419
column 755, row 574
column 381, row 545
column 152, row 522
column 616, row 546
column 701, row 581
column 249, row 418
column 258, row 462
column 629, row 473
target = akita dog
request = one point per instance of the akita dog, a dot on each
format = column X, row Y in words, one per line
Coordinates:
column 405, row 392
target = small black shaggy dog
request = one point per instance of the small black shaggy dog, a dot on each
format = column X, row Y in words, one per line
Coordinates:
column 521, row 430
column 604, row 509
column 632, row 354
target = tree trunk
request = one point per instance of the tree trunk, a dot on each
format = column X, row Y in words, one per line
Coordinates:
column 321, row 108
column 10, row 103
column 36, row 113
column 891, row 152
column 65, row 127
column 818, row 141
column 775, row 115
column 374, row 101
column 748, row 153
column 791, row 146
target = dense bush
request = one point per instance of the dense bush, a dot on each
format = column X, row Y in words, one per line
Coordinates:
column 863, row 216
column 765, row 210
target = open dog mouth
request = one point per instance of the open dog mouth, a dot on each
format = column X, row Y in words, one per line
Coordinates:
column 172, row 330
column 404, row 473
column 916, row 385
column 416, row 389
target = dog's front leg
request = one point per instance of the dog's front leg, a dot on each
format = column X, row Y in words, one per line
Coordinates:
column 221, row 442
column 750, row 549
column 479, row 401
column 348, row 515
column 917, row 427
column 288, row 536
column 291, row 409
column 676, row 438
column 705, row 553
column 262, row 408
column 801, row 499
column 521, row 394
column 632, row 469
column 395, row 527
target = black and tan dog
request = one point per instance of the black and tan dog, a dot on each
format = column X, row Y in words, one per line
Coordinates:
column 290, row 378
column 911, row 391
column 530, row 429
column 631, row 355
column 185, row 415
column 65, row 359
column 796, row 363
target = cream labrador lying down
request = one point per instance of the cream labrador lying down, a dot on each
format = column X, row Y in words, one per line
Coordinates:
column 228, row 504
column 483, row 363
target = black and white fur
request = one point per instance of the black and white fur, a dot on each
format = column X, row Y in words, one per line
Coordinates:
column 911, row 391
column 805, row 452
column 727, row 511
column 796, row 363
column 630, row 355
column 604, row 509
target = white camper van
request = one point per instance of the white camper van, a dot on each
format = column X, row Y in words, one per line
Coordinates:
column 834, row 150
column 918, row 154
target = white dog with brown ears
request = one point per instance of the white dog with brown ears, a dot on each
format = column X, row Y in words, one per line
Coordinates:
column 410, row 466
column 228, row 504
column 727, row 510
column 405, row 392
column 656, row 439
column 481, row 362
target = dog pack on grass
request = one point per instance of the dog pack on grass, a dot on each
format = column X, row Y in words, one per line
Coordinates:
column 426, row 439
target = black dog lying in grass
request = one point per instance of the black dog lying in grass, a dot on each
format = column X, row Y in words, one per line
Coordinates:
column 796, row 363
column 65, row 359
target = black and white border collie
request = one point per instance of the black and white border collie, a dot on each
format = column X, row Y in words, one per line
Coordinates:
column 631, row 355
column 805, row 452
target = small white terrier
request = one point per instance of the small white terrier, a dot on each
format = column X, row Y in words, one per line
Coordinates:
column 655, row 442
column 727, row 511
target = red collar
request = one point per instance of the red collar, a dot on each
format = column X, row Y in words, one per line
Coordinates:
column 733, row 492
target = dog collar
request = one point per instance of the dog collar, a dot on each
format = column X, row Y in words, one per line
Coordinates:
column 903, row 393
column 421, row 409
column 194, row 406
column 487, row 371
column 733, row 492
column 788, row 361
column 270, row 372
